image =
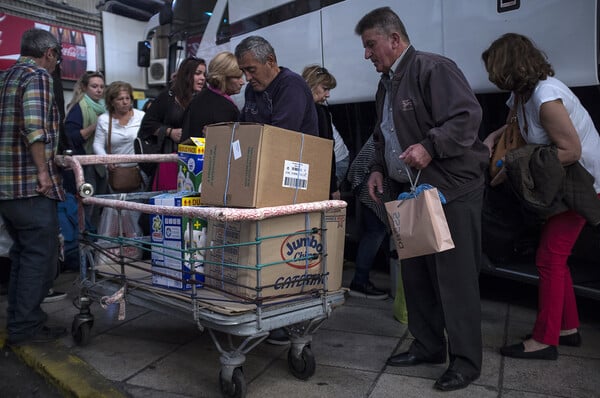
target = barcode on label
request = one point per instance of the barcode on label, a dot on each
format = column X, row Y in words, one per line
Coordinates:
column 295, row 175
column 294, row 183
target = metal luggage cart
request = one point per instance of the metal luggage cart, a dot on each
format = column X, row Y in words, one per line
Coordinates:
column 128, row 279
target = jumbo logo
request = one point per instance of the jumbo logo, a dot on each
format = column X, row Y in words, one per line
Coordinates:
column 305, row 249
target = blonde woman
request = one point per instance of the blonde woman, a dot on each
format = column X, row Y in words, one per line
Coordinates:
column 215, row 105
column 321, row 82
column 80, row 126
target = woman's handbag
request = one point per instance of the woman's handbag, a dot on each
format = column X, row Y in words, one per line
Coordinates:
column 122, row 179
column 125, row 179
column 148, row 146
column 510, row 139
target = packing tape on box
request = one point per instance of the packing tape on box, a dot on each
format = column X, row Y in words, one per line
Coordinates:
column 233, row 129
column 298, row 173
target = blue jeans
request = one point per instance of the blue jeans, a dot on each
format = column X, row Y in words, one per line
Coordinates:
column 373, row 232
column 33, row 225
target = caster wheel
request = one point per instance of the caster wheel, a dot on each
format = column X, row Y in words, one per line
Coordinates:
column 303, row 367
column 236, row 388
column 82, row 333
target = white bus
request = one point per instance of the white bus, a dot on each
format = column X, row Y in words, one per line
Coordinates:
column 321, row 32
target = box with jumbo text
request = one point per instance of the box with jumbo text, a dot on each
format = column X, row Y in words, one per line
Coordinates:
column 175, row 242
column 255, row 165
column 190, row 164
column 291, row 253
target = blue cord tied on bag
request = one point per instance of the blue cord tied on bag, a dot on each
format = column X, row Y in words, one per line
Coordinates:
column 415, row 190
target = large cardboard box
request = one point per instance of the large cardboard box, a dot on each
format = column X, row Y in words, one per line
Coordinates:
column 255, row 165
column 191, row 160
column 174, row 239
column 291, row 260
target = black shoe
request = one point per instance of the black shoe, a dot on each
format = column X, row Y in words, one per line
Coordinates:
column 571, row 340
column 44, row 335
column 367, row 290
column 452, row 380
column 408, row 359
column 278, row 337
column 3, row 289
column 549, row 353
column 53, row 296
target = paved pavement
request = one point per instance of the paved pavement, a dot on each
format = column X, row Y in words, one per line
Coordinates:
column 153, row 355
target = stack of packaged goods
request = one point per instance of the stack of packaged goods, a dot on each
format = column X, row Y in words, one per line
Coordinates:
column 260, row 166
column 176, row 258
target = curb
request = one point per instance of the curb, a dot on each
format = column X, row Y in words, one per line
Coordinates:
column 69, row 373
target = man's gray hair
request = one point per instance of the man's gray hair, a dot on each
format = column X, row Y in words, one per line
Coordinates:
column 383, row 19
column 35, row 42
column 260, row 48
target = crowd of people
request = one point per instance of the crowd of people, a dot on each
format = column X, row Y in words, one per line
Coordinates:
column 428, row 121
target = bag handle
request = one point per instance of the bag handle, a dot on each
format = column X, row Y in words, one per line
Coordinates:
column 415, row 190
column 525, row 124
column 512, row 115
column 413, row 184
column 108, row 147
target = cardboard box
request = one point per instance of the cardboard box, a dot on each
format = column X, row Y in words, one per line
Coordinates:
column 191, row 161
column 173, row 240
column 254, row 165
column 285, row 267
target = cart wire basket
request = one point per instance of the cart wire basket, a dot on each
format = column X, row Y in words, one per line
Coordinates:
column 249, row 272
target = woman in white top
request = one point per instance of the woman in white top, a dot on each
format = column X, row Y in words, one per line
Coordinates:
column 549, row 114
column 123, row 119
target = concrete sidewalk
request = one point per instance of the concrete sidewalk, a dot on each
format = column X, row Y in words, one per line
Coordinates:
column 153, row 355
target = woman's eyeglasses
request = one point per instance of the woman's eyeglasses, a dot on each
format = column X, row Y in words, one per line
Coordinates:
column 91, row 73
column 322, row 71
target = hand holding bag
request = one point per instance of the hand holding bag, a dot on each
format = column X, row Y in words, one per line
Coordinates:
column 510, row 139
column 418, row 222
column 122, row 179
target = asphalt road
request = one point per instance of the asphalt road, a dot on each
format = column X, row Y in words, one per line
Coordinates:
column 18, row 380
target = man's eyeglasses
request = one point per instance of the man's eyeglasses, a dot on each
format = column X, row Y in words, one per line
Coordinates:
column 58, row 54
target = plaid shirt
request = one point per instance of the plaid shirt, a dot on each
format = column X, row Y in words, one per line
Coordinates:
column 28, row 114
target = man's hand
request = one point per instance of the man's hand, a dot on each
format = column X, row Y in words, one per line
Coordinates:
column 416, row 156
column 44, row 182
column 375, row 184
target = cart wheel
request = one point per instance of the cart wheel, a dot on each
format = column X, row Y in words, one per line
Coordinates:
column 236, row 388
column 82, row 334
column 303, row 366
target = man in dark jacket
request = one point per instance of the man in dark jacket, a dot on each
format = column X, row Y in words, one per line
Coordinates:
column 277, row 96
column 274, row 95
column 428, row 120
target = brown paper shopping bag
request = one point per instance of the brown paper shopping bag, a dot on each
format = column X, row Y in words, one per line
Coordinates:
column 419, row 225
